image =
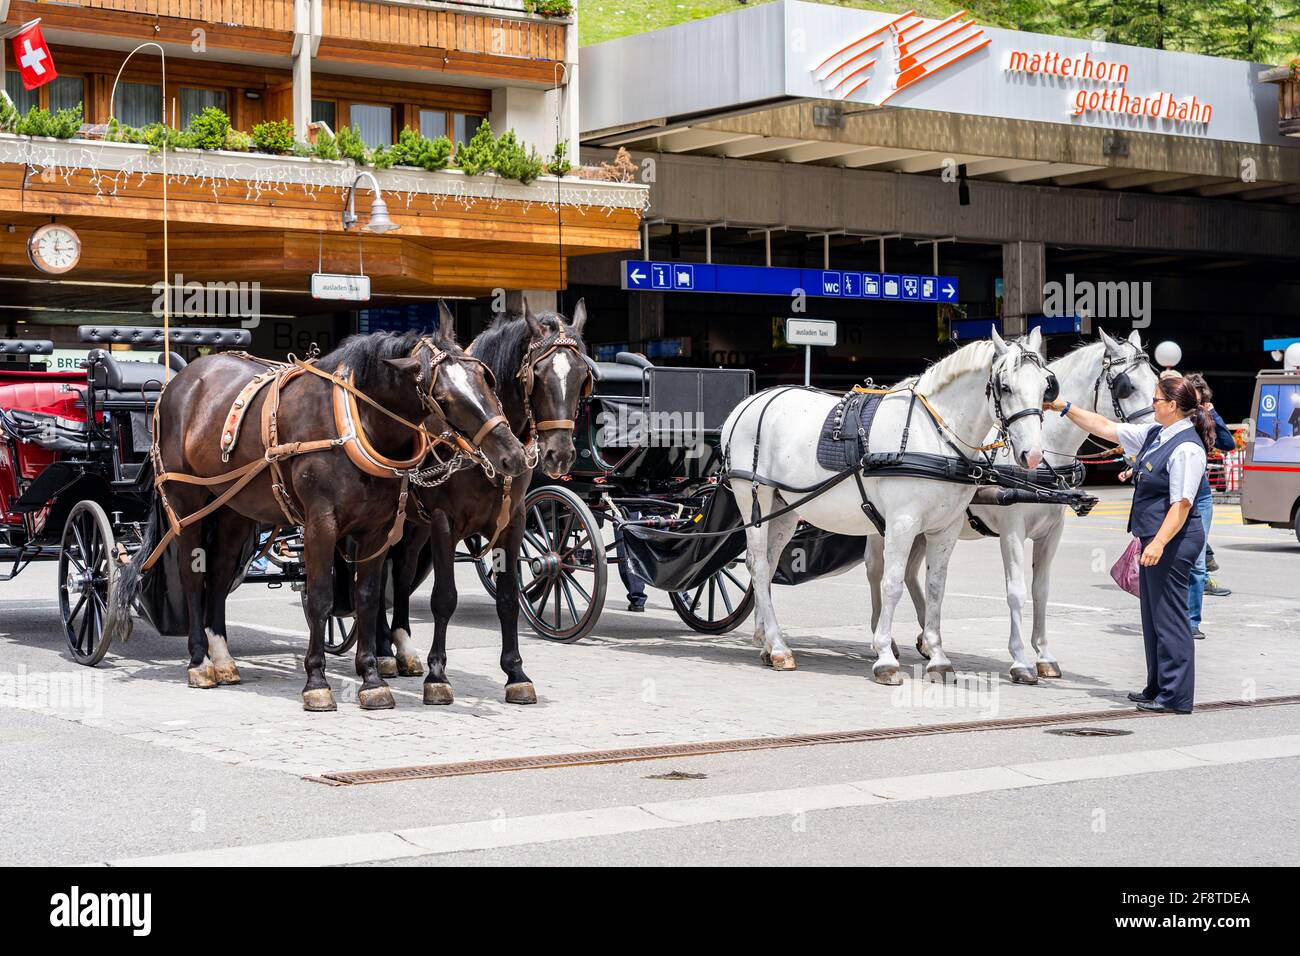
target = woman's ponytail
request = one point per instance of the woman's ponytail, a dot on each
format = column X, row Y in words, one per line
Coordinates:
column 1185, row 395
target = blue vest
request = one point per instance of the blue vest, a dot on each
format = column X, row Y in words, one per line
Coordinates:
column 1151, row 484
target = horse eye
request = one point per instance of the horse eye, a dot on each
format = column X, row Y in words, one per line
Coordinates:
column 1006, row 388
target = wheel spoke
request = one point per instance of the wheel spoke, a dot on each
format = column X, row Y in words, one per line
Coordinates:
column 80, row 604
column 568, row 599
column 726, row 599
column 581, row 590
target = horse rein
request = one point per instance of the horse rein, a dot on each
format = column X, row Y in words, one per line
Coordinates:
column 1119, row 381
column 1004, row 421
column 527, row 376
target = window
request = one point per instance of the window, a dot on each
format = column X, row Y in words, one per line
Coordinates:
column 433, row 123
column 63, row 92
column 325, row 111
column 23, row 99
column 194, row 102
column 138, row 104
column 374, row 123
column 466, row 124
column 1277, row 423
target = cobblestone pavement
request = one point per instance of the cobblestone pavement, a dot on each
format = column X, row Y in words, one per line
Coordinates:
column 646, row 679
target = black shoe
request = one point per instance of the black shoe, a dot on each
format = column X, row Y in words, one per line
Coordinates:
column 1198, row 634
column 636, row 606
column 1217, row 591
column 1151, row 707
column 1139, row 698
column 1210, row 564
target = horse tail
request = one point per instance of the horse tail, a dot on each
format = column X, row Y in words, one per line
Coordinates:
column 129, row 579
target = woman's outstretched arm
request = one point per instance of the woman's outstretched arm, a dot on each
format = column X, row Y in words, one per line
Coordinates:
column 1099, row 425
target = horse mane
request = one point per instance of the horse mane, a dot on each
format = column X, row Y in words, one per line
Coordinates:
column 966, row 359
column 502, row 344
column 365, row 354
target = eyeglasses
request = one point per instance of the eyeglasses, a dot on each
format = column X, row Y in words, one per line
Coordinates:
column 1169, row 400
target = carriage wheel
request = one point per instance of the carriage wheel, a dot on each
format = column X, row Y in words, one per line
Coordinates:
column 483, row 565
column 87, row 570
column 719, row 604
column 340, row 630
column 562, row 566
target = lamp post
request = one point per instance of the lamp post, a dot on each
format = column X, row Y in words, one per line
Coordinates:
column 167, row 292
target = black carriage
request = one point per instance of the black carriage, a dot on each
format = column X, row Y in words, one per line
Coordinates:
column 648, row 441
column 75, row 486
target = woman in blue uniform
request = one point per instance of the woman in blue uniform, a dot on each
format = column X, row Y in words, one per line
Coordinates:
column 1170, row 462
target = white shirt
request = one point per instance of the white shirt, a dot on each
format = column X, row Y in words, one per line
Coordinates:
column 1186, row 464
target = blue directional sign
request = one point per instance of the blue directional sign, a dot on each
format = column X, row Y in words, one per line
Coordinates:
column 646, row 276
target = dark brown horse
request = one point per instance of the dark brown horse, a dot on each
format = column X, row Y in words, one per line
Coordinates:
column 542, row 373
column 348, row 493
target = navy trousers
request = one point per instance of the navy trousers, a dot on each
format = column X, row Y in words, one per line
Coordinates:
column 1166, row 630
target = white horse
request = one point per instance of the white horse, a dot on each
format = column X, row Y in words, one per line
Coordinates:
column 1112, row 377
column 982, row 385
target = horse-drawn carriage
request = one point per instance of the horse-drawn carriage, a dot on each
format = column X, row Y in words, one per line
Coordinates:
column 74, row 482
column 648, row 442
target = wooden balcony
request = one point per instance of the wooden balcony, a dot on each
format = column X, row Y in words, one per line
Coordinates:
column 1288, row 98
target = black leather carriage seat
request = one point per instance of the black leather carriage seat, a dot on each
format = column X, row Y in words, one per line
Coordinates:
column 622, row 376
column 123, row 384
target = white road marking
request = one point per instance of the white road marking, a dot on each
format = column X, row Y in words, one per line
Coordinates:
column 611, row 821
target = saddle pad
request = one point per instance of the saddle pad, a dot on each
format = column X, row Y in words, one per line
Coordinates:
column 843, row 438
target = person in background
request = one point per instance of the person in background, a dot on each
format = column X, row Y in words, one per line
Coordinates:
column 1170, row 464
column 1200, row 583
column 635, row 586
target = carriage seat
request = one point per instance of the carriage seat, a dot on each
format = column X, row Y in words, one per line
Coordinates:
column 127, row 384
column 44, row 413
column 621, row 376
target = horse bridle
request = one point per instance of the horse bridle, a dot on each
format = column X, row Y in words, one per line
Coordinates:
column 1120, row 385
column 468, row 445
column 527, row 376
column 1005, row 421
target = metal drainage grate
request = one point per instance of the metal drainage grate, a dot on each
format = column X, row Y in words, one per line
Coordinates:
column 629, row 754
column 1089, row 732
column 678, row 775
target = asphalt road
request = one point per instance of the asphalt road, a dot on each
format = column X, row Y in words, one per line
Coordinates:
column 1214, row 787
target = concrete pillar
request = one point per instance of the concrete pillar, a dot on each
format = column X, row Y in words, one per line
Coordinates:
column 306, row 37
column 1023, row 274
column 645, row 318
column 530, row 113
column 569, row 125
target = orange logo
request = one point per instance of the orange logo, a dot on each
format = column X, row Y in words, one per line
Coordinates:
column 918, row 52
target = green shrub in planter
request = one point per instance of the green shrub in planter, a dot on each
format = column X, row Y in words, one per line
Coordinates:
column 210, row 129
column 238, row 141
column 414, row 149
column 274, row 136
column 514, row 162
column 65, row 124
column 351, row 146
column 8, row 115
column 479, row 154
column 559, row 161
column 326, row 146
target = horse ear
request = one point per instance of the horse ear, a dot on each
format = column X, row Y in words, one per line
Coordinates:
column 446, row 322
column 1111, row 345
column 405, row 365
column 579, row 316
column 534, row 326
column 999, row 346
column 1035, row 339
column 1135, row 339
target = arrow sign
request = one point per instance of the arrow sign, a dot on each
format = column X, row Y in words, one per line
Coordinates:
column 636, row 277
column 643, row 276
column 947, row 289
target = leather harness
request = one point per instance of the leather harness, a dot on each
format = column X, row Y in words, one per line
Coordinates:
column 351, row 438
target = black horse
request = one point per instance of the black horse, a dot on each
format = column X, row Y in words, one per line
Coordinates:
column 542, row 373
column 342, row 491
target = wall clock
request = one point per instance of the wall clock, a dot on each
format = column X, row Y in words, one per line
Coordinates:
column 54, row 248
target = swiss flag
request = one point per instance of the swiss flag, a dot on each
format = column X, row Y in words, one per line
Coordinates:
column 32, row 54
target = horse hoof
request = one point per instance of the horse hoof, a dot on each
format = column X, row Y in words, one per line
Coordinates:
column 765, row 658
column 438, row 694
column 920, row 649
column 782, row 662
column 1049, row 669
column 521, row 693
column 318, row 699
column 889, row 676
column 227, row 673
column 409, row 665
column 203, row 677
column 941, row 673
column 1023, row 675
column 376, row 698
column 387, row 666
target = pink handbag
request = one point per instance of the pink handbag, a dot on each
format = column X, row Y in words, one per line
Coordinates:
column 1125, row 570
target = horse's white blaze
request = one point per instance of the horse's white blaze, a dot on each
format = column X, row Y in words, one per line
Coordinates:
column 912, row 507
column 562, row 365
column 458, row 376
